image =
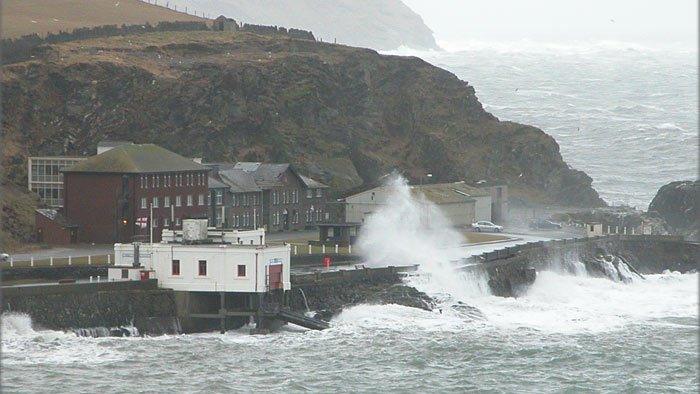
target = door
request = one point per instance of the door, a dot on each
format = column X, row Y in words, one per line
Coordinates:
column 274, row 277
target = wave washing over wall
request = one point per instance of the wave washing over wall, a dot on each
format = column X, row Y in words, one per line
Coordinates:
column 567, row 332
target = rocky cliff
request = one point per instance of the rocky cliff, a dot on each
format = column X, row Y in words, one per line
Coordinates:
column 344, row 115
column 677, row 204
column 376, row 24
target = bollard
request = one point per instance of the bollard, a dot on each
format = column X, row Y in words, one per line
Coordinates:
column 295, row 250
column 323, row 248
column 51, row 261
column 309, row 248
column 98, row 279
column 89, row 260
column 70, row 260
column 336, row 248
column 624, row 230
column 31, row 261
column 109, row 259
column 617, row 228
column 632, row 230
column 12, row 261
column 349, row 249
column 90, row 278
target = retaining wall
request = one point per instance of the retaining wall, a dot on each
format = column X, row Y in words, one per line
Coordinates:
column 107, row 304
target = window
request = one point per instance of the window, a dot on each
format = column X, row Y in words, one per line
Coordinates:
column 309, row 193
column 200, row 200
column 202, row 268
column 144, row 204
column 189, row 200
column 326, row 216
column 319, row 193
column 296, row 217
column 157, row 180
column 177, row 221
column 178, row 201
column 125, row 274
column 218, row 220
column 166, row 201
column 219, row 197
column 155, row 222
column 155, row 202
column 166, row 222
column 241, row 270
column 175, row 267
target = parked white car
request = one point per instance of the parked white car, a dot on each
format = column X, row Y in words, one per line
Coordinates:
column 484, row 226
column 4, row 257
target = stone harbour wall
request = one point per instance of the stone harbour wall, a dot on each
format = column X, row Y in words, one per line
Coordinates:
column 140, row 304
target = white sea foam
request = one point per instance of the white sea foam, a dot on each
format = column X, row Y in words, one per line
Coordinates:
column 411, row 230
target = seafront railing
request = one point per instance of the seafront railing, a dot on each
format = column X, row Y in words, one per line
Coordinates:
column 63, row 261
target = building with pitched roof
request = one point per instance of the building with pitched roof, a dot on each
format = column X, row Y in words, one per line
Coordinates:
column 124, row 192
column 461, row 203
column 270, row 195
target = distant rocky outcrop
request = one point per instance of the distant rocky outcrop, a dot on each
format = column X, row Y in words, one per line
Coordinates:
column 376, row 24
column 677, row 204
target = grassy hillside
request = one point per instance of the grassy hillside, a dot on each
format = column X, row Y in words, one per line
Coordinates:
column 22, row 17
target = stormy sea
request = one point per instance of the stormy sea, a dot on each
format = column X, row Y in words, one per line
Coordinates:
column 625, row 114
column 627, row 117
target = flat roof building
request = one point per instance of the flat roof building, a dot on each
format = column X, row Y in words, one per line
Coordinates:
column 44, row 177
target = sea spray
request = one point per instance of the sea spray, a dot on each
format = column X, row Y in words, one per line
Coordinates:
column 409, row 229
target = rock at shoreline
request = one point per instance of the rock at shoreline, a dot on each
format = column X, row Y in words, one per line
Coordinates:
column 677, row 204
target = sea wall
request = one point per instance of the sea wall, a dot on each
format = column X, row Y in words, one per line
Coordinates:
column 105, row 305
column 511, row 270
column 330, row 292
column 53, row 273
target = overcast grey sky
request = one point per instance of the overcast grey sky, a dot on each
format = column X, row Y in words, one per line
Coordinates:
column 645, row 22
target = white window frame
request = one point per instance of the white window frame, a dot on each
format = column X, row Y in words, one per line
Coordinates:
column 144, row 203
column 190, row 200
column 166, row 202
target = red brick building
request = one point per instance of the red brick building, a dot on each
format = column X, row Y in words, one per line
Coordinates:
column 109, row 196
column 270, row 195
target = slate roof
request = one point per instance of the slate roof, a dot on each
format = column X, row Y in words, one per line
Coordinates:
column 255, row 176
column 136, row 159
column 216, row 184
column 54, row 215
column 312, row 183
column 239, row 181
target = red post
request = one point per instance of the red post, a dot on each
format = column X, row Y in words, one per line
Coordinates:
column 326, row 261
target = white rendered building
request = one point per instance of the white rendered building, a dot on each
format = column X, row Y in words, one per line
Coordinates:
column 201, row 260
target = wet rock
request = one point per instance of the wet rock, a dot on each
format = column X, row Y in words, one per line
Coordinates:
column 677, row 204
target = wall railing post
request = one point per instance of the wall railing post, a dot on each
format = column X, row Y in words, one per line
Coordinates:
column 31, row 261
